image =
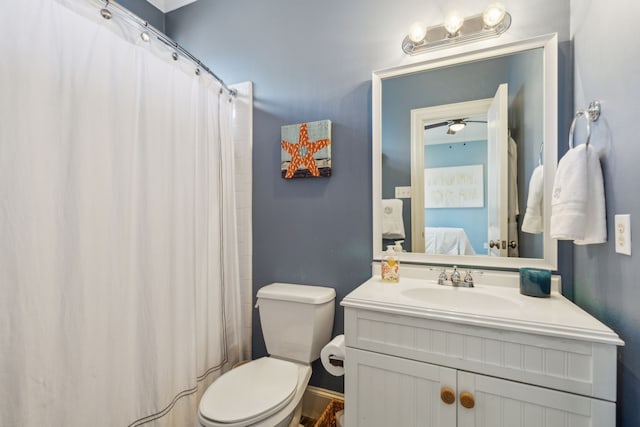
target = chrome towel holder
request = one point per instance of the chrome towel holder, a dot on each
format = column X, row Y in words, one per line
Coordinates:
column 591, row 114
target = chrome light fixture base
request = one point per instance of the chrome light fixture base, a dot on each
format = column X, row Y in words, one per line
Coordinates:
column 438, row 37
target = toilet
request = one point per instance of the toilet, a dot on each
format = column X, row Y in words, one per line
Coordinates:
column 296, row 321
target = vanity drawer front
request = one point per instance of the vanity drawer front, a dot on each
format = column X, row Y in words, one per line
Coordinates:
column 572, row 365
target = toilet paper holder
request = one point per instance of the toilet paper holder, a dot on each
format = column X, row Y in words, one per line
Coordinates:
column 335, row 361
column 332, row 356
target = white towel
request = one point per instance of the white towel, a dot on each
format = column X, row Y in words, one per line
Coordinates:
column 533, row 220
column 578, row 202
column 392, row 223
column 596, row 226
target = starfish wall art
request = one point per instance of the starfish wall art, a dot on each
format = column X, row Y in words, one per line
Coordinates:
column 306, row 150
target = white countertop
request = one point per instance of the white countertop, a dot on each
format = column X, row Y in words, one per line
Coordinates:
column 498, row 307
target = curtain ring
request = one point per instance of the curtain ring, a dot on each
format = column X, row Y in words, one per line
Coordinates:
column 573, row 126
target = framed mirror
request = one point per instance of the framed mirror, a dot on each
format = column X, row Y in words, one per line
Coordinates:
column 464, row 154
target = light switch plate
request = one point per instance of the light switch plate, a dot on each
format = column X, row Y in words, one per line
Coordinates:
column 403, row 192
column 623, row 234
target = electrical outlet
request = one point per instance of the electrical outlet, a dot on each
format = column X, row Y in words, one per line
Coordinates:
column 403, row 192
column 623, row 234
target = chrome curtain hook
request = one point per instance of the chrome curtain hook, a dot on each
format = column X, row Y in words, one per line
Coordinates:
column 105, row 12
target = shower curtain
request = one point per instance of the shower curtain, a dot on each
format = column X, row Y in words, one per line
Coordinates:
column 118, row 260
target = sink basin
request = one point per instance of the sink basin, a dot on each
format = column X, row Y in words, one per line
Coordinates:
column 465, row 299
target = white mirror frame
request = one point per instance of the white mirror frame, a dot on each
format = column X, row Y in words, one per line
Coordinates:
column 549, row 43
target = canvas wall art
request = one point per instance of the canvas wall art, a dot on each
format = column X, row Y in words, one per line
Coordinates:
column 454, row 187
column 306, row 150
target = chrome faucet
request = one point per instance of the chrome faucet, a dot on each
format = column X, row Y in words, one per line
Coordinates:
column 455, row 278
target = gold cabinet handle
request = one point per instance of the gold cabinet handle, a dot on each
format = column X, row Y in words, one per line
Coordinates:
column 493, row 244
column 467, row 400
column 513, row 244
column 447, row 395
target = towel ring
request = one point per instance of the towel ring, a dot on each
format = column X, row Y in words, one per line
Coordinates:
column 591, row 114
column 573, row 127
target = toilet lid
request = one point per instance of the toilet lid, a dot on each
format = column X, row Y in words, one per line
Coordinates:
column 257, row 389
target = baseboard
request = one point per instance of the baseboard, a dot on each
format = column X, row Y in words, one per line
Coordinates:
column 316, row 399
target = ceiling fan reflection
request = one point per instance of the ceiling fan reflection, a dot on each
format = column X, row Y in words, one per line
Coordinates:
column 454, row 125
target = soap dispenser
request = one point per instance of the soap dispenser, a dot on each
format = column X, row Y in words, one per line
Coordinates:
column 390, row 266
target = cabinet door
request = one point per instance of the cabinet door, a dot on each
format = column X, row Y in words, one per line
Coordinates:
column 389, row 391
column 502, row 403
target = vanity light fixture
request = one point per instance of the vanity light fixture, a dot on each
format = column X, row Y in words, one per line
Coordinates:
column 457, row 29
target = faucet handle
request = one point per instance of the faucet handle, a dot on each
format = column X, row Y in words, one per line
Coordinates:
column 468, row 279
column 442, row 278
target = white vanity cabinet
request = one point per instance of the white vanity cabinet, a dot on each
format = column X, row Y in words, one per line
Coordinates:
column 413, row 364
column 392, row 391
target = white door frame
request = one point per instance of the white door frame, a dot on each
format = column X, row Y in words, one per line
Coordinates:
column 418, row 118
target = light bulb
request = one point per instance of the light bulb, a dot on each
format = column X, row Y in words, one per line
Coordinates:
column 453, row 22
column 417, row 32
column 145, row 36
column 493, row 14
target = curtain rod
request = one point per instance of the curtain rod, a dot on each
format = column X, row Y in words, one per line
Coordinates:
column 127, row 14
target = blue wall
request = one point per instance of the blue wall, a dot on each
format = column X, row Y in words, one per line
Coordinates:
column 473, row 220
column 313, row 61
column 606, row 283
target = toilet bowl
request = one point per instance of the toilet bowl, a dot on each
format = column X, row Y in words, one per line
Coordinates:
column 296, row 321
column 265, row 392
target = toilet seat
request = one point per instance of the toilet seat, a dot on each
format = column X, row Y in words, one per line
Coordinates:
column 250, row 393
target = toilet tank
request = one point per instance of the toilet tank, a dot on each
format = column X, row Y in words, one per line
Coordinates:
column 296, row 320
